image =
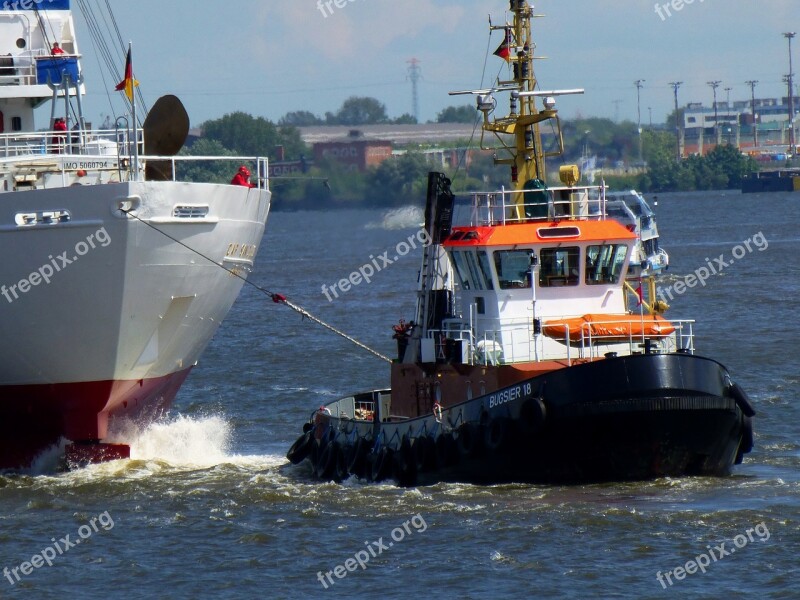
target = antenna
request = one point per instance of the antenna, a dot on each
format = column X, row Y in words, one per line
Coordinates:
column 675, row 87
column 752, row 83
column 714, row 85
column 616, row 104
column 415, row 74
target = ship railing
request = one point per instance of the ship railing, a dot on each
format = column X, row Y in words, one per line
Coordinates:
column 260, row 176
column 106, row 142
column 37, row 68
column 591, row 345
column 107, row 150
column 516, row 341
column 505, row 207
column 512, row 342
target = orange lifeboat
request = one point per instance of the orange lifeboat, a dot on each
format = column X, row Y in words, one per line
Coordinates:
column 608, row 328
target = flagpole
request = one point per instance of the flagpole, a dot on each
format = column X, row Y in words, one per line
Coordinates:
column 133, row 117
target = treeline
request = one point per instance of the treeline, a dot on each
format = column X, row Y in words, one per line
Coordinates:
column 402, row 179
column 721, row 168
column 362, row 110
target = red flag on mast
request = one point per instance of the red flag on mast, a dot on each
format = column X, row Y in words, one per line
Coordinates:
column 639, row 294
column 128, row 83
column 504, row 50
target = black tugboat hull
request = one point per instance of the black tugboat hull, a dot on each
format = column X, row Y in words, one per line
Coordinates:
column 629, row 418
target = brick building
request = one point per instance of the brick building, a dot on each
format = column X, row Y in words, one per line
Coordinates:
column 354, row 151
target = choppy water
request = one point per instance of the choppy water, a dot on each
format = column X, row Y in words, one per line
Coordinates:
column 208, row 507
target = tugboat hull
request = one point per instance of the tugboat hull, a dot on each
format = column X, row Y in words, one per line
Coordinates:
column 629, row 418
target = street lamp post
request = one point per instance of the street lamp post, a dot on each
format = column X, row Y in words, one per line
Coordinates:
column 714, row 85
column 675, row 85
column 790, row 36
column 728, row 111
column 752, row 83
column 638, row 83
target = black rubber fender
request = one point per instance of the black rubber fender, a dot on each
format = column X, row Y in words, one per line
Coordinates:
column 469, row 439
column 369, row 465
column 532, row 415
column 340, row 472
column 496, row 434
column 357, row 457
column 405, row 464
column 301, row 448
column 446, row 450
column 316, row 450
column 326, row 463
column 383, row 465
column 747, row 435
column 424, row 453
column 742, row 400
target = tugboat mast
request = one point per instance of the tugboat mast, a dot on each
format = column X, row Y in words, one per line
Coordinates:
column 527, row 156
column 524, row 152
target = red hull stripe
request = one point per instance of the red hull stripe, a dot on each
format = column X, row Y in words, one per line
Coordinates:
column 34, row 417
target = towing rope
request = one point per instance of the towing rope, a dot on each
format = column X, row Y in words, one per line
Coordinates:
column 275, row 297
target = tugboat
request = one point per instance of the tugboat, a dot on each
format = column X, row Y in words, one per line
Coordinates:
column 525, row 361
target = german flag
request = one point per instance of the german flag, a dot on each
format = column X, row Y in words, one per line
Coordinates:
column 128, row 83
column 504, row 50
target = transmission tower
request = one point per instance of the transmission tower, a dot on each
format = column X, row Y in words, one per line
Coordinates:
column 616, row 104
column 415, row 74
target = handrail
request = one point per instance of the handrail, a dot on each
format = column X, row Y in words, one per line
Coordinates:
column 100, row 151
column 589, row 345
column 503, row 207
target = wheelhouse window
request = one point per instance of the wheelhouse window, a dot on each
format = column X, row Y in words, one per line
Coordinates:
column 486, row 269
column 604, row 263
column 559, row 266
column 473, row 273
column 461, row 270
column 513, row 268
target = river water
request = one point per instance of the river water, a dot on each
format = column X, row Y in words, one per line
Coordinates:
column 208, row 507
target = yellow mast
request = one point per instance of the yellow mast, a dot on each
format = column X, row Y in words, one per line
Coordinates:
column 527, row 155
column 523, row 121
column 525, row 152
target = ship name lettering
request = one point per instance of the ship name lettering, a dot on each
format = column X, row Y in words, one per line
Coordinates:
column 241, row 250
column 508, row 395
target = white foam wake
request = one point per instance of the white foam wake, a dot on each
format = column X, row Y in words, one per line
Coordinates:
column 190, row 441
column 406, row 217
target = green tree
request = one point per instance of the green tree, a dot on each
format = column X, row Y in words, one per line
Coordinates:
column 671, row 118
column 730, row 164
column 206, row 171
column 399, row 181
column 405, row 119
column 253, row 136
column 457, row 114
column 300, row 118
column 603, row 137
column 358, row 110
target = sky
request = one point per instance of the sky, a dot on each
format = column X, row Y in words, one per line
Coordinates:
column 270, row 57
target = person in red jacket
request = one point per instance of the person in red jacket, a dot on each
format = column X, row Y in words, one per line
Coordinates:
column 242, row 177
column 59, row 137
column 56, row 49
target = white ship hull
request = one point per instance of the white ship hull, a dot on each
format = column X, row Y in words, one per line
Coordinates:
column 104, row 315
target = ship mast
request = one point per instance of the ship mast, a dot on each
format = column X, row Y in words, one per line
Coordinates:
column 519, row 133
column 527, row 160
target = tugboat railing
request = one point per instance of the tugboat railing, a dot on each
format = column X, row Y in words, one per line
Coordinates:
column 497, row 346
column 507, row 207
